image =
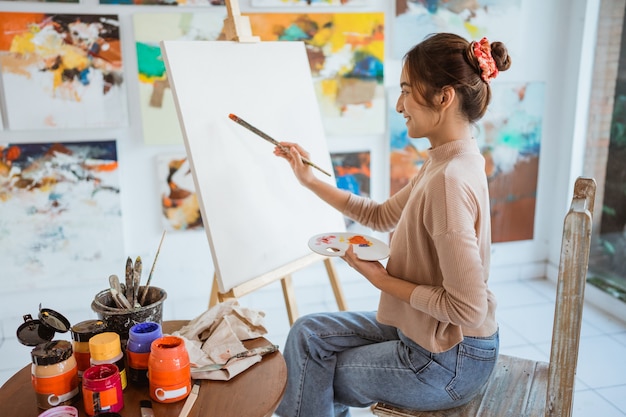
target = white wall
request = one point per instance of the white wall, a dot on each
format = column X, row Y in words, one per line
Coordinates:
column 556, row 46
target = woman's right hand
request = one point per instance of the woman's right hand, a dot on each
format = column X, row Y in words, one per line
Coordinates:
column 294, row 153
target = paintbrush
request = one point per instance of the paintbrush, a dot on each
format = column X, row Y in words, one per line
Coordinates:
column 191, row 399
column 145, row 288
column 262, row 350
column 117, row 295
column 136, row 278
column 129, row 280
column 271, row 140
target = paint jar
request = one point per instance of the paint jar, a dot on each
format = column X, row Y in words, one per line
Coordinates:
column 81, row 333
column 140, row 338
column 102, row 389
column 169, row 371
column 105, row 348
column 54, row 374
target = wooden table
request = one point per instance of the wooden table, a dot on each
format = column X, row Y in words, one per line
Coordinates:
column 253, row 393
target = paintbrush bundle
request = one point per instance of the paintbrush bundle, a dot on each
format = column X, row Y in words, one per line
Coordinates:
column 129, row 297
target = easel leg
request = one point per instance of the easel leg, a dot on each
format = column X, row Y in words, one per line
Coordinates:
column 334, row 282
column 215, row 298
column 290, row 299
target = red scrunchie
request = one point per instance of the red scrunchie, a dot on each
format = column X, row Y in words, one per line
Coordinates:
column 488, row 68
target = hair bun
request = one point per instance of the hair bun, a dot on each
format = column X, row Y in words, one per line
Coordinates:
column 501, row 56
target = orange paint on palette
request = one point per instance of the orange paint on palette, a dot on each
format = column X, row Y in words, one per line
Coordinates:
column 359, row 240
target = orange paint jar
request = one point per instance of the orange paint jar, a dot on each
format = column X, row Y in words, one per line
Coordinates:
column 54, row 374
column 169, row 371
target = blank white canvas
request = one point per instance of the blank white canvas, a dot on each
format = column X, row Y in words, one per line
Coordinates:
column 257, row 216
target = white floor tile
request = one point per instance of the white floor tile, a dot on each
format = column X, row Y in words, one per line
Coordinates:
column 615, row 395
column 590, row 404
column 602, row 321
column 620, row 337
column 544, row 287
column 533, row 323
column 527, row 352
column 516, row 293
column 601, row 362
column 361, row 412
column 509, row 337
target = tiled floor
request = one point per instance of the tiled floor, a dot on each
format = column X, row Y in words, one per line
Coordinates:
column 525, row 313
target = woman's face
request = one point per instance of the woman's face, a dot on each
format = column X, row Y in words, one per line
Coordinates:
column 419, row 118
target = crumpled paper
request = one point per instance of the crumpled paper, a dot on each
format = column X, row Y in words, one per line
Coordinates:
column 216, row 335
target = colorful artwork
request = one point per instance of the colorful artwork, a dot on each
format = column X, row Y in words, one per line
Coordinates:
column 61, row 218
column 346, row 56
column 352, row 173
column 509, row 137
column 415, row 19
column 166, row 2
column 158, row 111
column 62, row 71
column 48, row 1
column 179, row 201
column 279, row 3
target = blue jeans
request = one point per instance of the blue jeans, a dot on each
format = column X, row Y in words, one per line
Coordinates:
column 348, row 359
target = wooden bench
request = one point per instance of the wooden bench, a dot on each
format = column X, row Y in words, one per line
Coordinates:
column 525, row 388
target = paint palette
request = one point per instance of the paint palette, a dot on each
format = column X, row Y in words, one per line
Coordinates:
column 335, row 244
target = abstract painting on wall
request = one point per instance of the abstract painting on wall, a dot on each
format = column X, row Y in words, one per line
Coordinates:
column 56, row 200
column 346, row 56
column 166, row 2
column 352, row 173
column 279, row 3
column 62, row 71
column 48, row 1
column 509, row 136
column 415, row 19
column 179, row 201
column 158, row 111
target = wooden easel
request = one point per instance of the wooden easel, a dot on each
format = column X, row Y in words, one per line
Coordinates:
column 284, row 275
column 237, row 28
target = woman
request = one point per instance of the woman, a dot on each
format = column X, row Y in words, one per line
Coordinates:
column 433, row 342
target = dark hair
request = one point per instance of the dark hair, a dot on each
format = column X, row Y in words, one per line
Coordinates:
column 446, row 59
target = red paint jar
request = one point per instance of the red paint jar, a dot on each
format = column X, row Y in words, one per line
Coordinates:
column 169, row 371
column 102, row 389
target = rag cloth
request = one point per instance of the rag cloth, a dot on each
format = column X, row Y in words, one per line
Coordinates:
column 217, row 334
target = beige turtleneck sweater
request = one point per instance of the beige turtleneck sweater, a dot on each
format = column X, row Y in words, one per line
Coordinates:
column 441, row 242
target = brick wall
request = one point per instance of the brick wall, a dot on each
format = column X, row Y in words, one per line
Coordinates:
column 608, row 47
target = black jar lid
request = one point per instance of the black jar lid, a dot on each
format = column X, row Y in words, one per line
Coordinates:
column 52, row 352
column 85, row 330
column 33, row 332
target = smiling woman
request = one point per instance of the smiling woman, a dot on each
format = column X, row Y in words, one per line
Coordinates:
column 435, row 305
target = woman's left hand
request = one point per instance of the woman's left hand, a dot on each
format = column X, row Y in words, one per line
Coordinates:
column 374, row 271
